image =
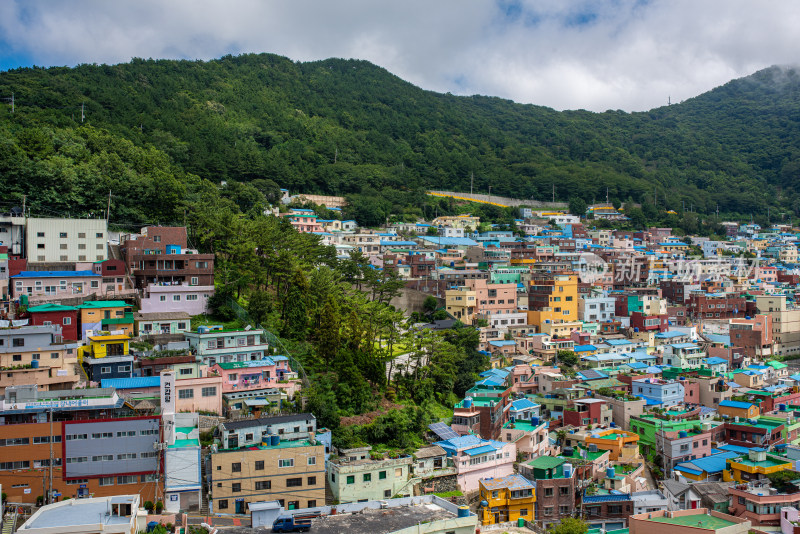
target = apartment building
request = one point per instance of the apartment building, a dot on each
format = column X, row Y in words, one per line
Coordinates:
column 552, row 298
column 66, row 240
column 290, row 472
column 52, row 285
column 785, row 323
column 217, row 345
column 37, row 355
column 508, row 498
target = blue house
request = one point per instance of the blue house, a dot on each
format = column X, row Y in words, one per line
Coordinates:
column 658, row 392
column 99, row 369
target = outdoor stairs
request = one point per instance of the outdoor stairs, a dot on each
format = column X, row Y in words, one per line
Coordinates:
column 328, row 494
column 203, row 492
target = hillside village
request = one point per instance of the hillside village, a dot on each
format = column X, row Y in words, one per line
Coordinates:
column 635, row 380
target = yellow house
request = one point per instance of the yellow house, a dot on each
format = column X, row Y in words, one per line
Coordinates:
column 622, row 445
column 756, row 465
column 745, row 410
column 102, row 346
column 462, row 304
column 553, row 299
column 508, row 498
column 106, row 315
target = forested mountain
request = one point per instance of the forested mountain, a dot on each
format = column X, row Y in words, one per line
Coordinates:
column 151, row 131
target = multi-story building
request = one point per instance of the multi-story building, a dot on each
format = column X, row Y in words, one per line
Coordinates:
column 682, row 445
column 688, row 522
column 118, row 514
column 162, row 323
column 484, row 298
column 756, row 465
column 213, row 346
column 475, row 458
column 555, row 486
column 66, row 240
column 683, row 355
column 37, row 355
column 763, row 432
column 661, row 393
column 483, row 412
column 354, row 475
column 754, row 335
column 596, row 308
column 255, row 375
column 106, row 316
column 509, row 498
column 173, row 268
column 785, row 323
column 95, row 452
column 761, row 503
column 552, row 298
column 587, row 412
column 273, row 469
column 529, row 434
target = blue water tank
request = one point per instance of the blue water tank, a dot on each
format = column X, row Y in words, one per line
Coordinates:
column 453, row 264
column 34, row 364
column 635, row 328
column 568, row 452
column 467, row 402
column 613, row 424
column 463, row 511
column 683, row 434
column 484, row 504
column 534, row 420
column 782, row 407
column 610, row 472
column 275, row 440
column 747, row 317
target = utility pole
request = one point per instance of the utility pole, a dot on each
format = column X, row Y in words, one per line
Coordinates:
column 82, row 114
column 471, row 181
column 108, row 209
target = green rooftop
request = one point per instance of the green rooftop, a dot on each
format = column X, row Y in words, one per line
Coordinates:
column 769, row 462
column 546, row 462
column 180, row 443
column 51, row 308
column 704, row 521
column 104, row 304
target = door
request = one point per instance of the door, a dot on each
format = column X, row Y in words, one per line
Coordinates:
column 694, row 505
column 239, row 506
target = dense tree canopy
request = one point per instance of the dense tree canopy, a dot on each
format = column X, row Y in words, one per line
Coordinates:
column 154, row 129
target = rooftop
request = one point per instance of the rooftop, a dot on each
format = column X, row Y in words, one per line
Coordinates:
column 704, row 521
column 77, row 512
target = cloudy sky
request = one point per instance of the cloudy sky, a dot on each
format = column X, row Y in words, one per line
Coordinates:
column 567, row 54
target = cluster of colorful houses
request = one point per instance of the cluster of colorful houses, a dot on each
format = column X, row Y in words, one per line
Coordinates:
column 629, row 384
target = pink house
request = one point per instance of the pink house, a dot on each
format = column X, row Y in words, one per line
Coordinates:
column 493, row 298
column 304, row 222
column 55, row 284
column 199, row 394
column 270, row 372
column 475, row 458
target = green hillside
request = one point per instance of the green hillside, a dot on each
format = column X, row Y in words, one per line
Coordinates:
column 153, row 130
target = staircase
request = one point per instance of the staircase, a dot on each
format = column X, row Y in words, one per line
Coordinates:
column 10, row 521
column 203, row 492
column 328, row 494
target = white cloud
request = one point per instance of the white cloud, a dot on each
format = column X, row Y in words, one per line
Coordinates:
column 604, row 54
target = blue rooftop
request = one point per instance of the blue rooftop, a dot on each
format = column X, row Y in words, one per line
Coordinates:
column 479, row 450
column 714, row 361
column 735, row 404
column 451, row 241
column 131, row 383
column 669, row 334
column 710, row 464
column 522, row 404
column 583, row 348
column 617, row 342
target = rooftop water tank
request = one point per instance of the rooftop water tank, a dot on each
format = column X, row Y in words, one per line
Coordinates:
column 463, row 511
column 610, row 472
column 568, row 452
column 683, row 434
column 468, row 402
column 34, row 364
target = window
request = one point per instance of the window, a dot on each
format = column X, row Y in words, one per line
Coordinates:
column 294, row 482
column 95, row 284
column 77, row 460
column 126, row 434
column 286, row 462
column 22, row 464
column 18, row 342
column 99, row 246
column 236, row 487
column 17, row 357
column 54, row 355
column 209, row 391
column 99, row 235
column 16, row 441
column 103, row 458
column 259, row 465
column 106, row 481
column 74, row 437
column 263, row 484
column 312, row 460
column 176, row 298
column 236, row 467
column 564, row 509
column 62, row 235
column 81, row 246
column 151, row 454
column 382, row 475
column 312, row 481
column 186, row 371
column 351, row 479
column 36, row 356
column 162, row 298
column 563, row 491
column 39, row 234
column 40, row 246
column 367, row 477
column 105, row 370
column 127, row 456
column 311, row 504
column 193, row 281
column 523, row 512
column 222, row 504
column 185, row 393
column 191, row 297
